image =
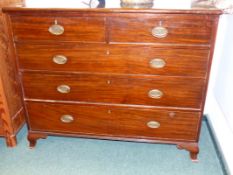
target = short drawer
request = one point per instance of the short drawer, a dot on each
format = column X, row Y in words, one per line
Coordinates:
column 176, row 29
column 129, row 59
column 89, row 29
column 113, row 121
column 122, row 89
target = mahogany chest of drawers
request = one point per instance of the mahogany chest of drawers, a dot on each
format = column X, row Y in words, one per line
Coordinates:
column 114, row 73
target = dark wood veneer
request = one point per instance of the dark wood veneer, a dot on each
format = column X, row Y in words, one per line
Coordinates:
column 108, row 59
column 113, row 121
column 178, row 91
column 75, row 28
column 188, row 29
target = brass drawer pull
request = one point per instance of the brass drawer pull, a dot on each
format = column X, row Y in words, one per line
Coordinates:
column 153, row 124
column 64, row 89
column 159, row 31
column 155, row 93
column 56, row 29
column 67, row 118
column 157, row 63
column 60, row 59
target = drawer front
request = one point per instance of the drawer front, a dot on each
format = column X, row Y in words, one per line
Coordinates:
column 141, row 90
column 180, row 29
column 128, row 59
column 117, row 121
column 90, row 29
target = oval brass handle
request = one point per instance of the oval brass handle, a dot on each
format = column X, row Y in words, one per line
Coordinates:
column 64, row 89
column 157, row 63
column 67, row 118
column 56, row 29
column 153, row 124
column 60, row 59
column 155, row 93
column 159, row 32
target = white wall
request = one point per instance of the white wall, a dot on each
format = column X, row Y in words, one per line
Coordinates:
column 219, row 104
column 224, row 81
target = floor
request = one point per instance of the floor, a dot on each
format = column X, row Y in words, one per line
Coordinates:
column 69, row 156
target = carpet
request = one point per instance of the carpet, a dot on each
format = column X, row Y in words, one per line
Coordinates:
column 76, row 156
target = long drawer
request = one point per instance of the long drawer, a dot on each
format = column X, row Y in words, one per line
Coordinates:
column 122, row 89
column 176, row 29
column 128, row 59
column 113, row 121
column 88, row 29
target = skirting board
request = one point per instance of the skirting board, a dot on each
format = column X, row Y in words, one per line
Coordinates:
column 221, row 133
column 218, row 149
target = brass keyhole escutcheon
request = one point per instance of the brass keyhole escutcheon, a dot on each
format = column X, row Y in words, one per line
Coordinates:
column 172, row 114
column 109, row 82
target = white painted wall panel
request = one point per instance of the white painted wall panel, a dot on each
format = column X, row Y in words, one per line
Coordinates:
column 219, row 104
column 223, row 89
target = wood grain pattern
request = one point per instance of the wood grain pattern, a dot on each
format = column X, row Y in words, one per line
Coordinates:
column 8, row 73
column 88, row 29
column 123, row 89
column 6, row 122
column 182, row 29
column 1, row 129
column 211, row 55
column 10, row 96
column 108, row 59
column 114, row 121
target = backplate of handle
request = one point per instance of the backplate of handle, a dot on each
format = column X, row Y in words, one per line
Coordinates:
column 159, row 32
column 60, row 59
column 67, row 118
column 155, row 93
column 64, row 89
column 157, row 63
column 56, row 29
column 153, row 124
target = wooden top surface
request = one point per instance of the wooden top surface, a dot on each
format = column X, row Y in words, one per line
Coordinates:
column 158, row 6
